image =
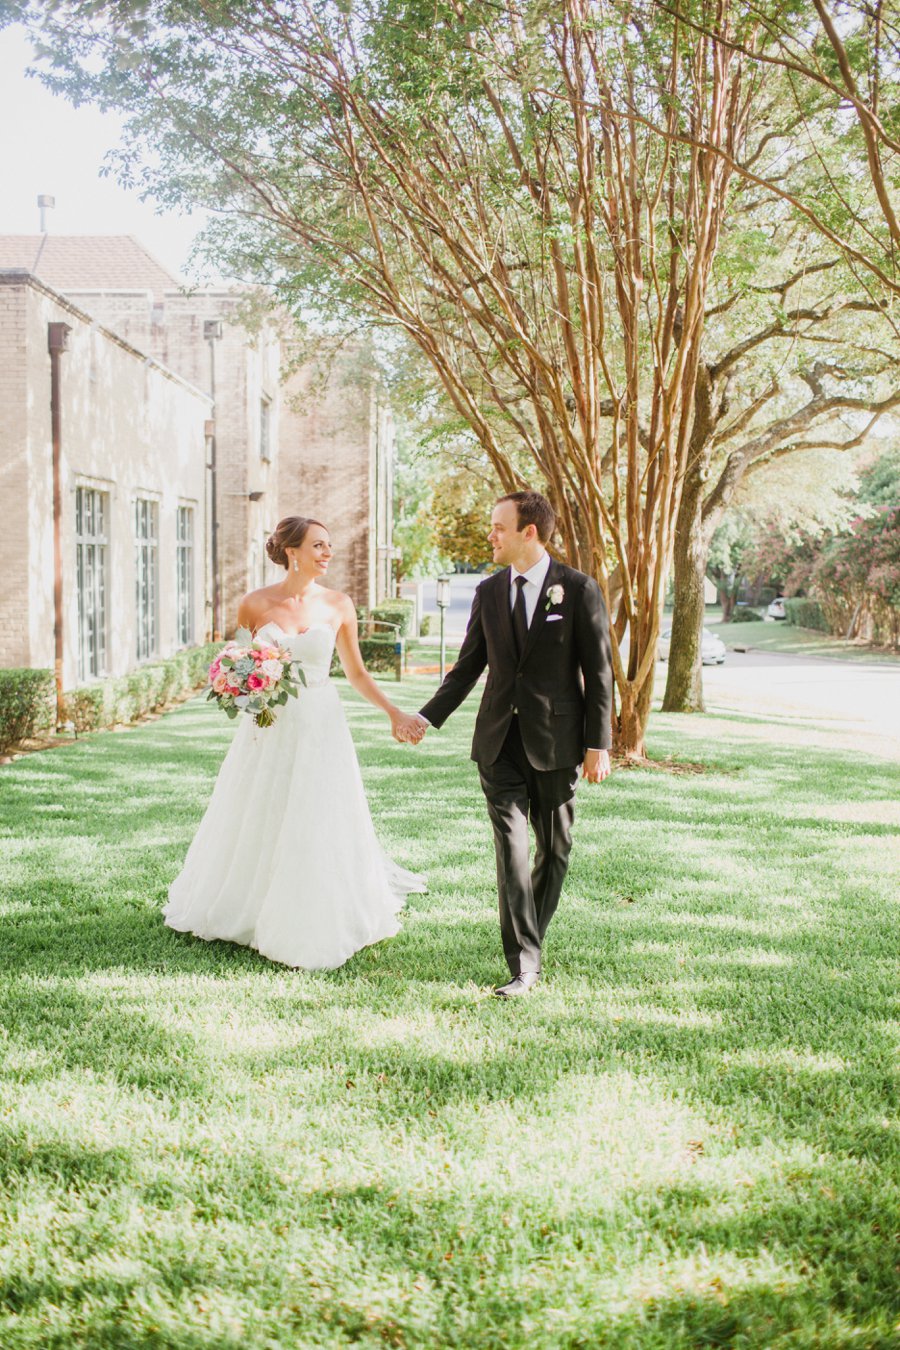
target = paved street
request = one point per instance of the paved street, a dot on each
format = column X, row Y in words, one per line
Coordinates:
column 856, row 700
column 859, row 702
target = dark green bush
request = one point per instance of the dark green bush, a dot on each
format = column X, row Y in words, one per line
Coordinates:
column 128, row 697
column 400, row 612
column 378, row 654
column 425, row 624
column 27, row 704
column 804, row 613
column 84, row 708
column 747, row 615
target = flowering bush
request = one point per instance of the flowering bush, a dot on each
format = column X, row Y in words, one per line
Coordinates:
column 253, row 677
column 857, row 577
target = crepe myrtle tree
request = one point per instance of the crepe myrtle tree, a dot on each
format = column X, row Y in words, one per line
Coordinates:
column 489, row 181
column 795, row 359
column 838, row 63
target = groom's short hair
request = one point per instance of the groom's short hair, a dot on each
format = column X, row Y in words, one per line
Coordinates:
column 533, row 509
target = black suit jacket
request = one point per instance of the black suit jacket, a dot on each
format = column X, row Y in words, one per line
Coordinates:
column 561, row 687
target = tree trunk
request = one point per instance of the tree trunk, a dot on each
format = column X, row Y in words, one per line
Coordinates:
column 726, row 600
column 684, row 681
column 630, row 724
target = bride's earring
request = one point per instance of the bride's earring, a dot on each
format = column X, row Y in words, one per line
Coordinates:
column 296, row 566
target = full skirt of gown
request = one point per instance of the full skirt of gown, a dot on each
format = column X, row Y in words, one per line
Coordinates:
column 286, row 859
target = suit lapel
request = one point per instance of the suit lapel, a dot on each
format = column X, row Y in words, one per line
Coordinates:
column 505, row 613
column 540, row 612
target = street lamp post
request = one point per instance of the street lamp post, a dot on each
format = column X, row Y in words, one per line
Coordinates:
column 443, row 600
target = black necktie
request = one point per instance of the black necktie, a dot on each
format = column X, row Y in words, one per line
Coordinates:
column 520, row 616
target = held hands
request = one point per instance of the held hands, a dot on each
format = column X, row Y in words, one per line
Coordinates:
column 407, row 727
column 596, row 766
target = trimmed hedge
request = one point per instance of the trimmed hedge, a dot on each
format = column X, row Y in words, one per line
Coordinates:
column 27, row 704
column 803, row 613
column 747, row 615
column 400, row 611
column 378, row 656
column 125, row 698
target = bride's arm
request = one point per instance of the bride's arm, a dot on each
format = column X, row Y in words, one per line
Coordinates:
column 403, row 726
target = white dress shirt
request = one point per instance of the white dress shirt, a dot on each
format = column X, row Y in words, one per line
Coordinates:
column 534, row 580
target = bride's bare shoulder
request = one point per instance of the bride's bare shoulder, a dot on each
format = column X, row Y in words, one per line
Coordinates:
column 254, row 605
column 341, row 604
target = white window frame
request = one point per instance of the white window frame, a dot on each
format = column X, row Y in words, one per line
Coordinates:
column 91, row 580
column 146, row 577
column 184, row 572
column 265, row 429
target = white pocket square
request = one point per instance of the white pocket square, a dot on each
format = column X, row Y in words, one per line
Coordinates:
column 554, row 618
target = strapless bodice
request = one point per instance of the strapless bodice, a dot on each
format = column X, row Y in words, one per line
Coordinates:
column 312, row 649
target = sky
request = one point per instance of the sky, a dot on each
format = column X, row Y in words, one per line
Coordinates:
column 47, row 146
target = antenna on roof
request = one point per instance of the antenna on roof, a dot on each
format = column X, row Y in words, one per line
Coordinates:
column 45, row 203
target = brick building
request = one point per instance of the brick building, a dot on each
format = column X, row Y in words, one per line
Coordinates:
column 281, row 447
column 129, row 459
column 337, row 458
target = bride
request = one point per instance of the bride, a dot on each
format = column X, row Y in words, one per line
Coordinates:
column 285, row 859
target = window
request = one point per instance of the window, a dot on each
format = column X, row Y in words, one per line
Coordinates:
column 146, row 563
column 265, row 429
column 91, row 511
column 184, row 548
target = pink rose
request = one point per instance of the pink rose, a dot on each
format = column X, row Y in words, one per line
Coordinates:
column 215, row 671
column 255, row 681
column 220, row 684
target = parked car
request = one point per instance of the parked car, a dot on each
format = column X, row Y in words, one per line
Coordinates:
column 777, row 610
column 712, row 648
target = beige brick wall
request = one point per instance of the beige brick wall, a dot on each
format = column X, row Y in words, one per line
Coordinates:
column 15, row 504
column 332, row 446
column 247, row 366
column 129, row 428
column 335, row 455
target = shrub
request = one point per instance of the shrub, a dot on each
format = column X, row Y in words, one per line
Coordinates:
column 378, row 655
column 746, row 615
column 400, row 612
column 84, row 708
column 805, row 613
column 128, row 697
column 27, row 704
column 425, row 624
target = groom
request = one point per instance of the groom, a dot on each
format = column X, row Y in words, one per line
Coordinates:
column 541, row 629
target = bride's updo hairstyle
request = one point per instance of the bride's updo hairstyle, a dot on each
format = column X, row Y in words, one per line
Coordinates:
column 288, row 533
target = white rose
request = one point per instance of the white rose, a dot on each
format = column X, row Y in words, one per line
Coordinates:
column 270, row 668
column 555, row 595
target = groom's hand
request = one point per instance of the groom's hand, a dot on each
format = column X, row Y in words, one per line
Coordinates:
column 596, row 766
column 408, row 728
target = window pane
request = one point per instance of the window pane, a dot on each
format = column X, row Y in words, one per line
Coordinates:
column 91, row 581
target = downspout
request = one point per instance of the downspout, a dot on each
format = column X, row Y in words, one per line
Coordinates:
column 212, row 332
column 57, row 343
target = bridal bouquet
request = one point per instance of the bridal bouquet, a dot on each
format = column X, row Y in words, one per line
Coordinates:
column 253, row 677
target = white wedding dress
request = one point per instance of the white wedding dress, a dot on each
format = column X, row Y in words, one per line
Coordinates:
column 285, row 859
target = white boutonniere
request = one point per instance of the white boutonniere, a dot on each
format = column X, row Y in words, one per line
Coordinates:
column 555, row 596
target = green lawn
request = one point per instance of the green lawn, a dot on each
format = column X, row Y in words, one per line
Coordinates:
column 779, row 636
column 687, row 1137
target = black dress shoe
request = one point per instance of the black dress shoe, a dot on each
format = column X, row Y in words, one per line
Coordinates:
column 519, row 984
